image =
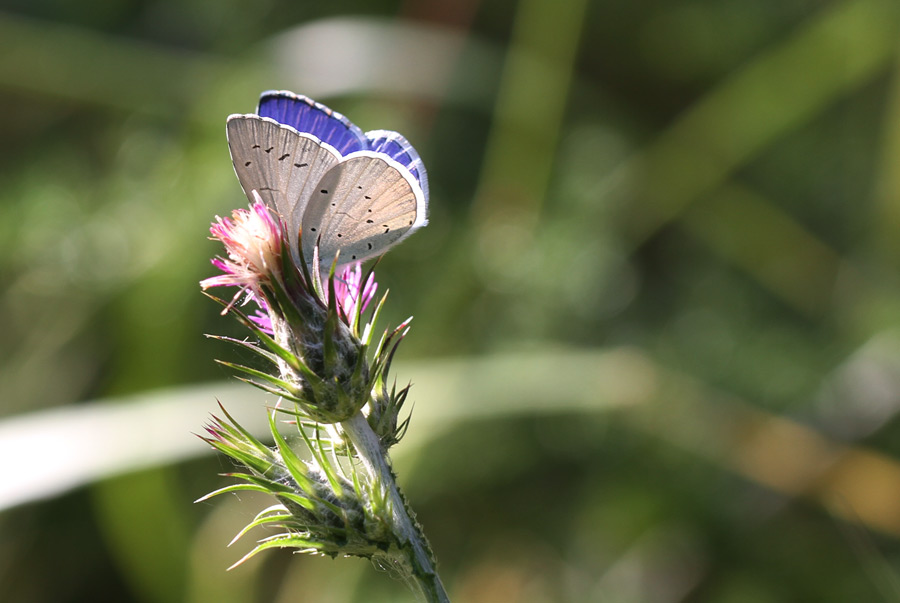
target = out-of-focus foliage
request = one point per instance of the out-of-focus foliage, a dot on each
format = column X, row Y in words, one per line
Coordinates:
column 691, row 207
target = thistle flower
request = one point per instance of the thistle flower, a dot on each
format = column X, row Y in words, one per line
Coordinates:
column 315, row 340
column 343, row 501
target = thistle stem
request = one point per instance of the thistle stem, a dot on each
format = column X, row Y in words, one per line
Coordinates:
column 418, row 552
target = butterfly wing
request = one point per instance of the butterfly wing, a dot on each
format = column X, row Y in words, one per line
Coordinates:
column 291, row 154
column 282, row 165
column 362, row 206
column 398, row 148
column 306, row 115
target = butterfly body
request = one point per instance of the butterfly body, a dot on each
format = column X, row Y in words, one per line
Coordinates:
column 334, row 187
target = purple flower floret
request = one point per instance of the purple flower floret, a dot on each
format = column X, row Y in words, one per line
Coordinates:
column 349, row 290
column 262, row 319
column 252, row 240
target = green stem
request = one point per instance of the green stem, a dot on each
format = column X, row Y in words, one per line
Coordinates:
column 415, row 546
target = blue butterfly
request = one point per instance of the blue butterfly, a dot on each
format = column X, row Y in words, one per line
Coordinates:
column 333, row 186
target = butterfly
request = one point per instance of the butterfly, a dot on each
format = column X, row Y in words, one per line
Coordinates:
column 353, row 195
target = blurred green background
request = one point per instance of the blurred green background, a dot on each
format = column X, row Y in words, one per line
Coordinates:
column 656, row 347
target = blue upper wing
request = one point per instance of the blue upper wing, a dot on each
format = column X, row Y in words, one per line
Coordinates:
column 306, row 115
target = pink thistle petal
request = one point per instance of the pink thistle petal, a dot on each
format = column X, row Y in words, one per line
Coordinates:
column 263, row 321
column 252, row 240
column 347, row 289
column 261, row 317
